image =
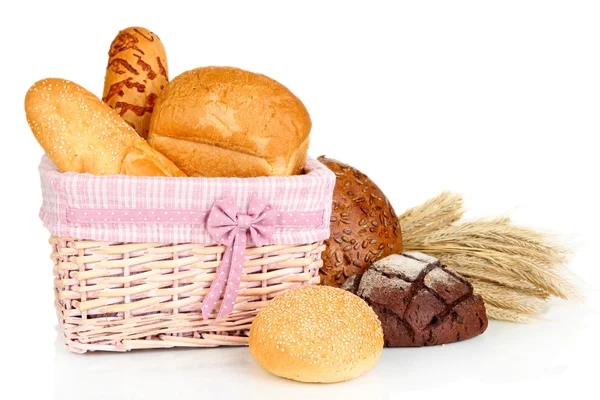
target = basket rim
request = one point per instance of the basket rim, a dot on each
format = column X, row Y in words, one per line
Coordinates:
column 313, row 167
column 68, row 193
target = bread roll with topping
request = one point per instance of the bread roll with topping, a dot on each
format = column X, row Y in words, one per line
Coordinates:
column 316, row 334
column 136, row 73
column 223, row 121
column 80, row 133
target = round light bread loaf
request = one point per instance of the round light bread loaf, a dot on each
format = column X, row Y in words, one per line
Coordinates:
column 223, row 121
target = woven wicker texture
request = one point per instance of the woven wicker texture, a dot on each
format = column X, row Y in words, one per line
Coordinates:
column 125, row 296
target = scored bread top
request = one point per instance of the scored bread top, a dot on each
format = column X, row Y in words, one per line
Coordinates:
column 80, row 133
column 215, row 121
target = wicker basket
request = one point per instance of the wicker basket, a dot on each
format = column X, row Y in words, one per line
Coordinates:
column 115, row 294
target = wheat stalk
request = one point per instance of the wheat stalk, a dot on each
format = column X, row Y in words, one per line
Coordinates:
column 507, row 298
column 498, row 232
column 472, row 267
column 506, row 315
column 515, row 269
column 438, row 212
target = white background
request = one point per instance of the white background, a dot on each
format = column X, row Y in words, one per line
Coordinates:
column 496, row 100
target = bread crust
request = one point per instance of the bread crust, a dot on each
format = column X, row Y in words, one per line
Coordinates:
column 316, row 334
column 223, row 121
column 136, row 74
column 364, row 225
column 80, row 133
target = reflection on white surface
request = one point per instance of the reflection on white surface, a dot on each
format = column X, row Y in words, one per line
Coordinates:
column 507, row 354
column 186, row 373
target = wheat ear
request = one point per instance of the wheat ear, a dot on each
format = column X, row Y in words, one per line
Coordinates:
column 515, row 269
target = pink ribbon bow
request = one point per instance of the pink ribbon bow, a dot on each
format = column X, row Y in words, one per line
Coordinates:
column 228, row 227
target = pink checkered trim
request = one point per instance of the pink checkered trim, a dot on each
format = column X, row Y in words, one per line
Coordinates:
column 173, row 210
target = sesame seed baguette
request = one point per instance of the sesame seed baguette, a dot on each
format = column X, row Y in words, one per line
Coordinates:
column 80, row 133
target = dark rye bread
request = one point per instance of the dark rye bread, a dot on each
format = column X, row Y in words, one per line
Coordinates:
column 364, row 226
column 419, row 301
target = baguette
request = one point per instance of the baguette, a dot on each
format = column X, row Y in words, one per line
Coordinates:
column 80, row 133
column 136, row 74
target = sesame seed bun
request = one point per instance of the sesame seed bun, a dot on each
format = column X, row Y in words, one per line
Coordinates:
column 316, row 334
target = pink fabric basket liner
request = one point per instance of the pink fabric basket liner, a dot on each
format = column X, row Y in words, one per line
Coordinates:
column 127, row 209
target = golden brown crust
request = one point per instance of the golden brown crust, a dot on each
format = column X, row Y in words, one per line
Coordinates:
column 80, row 133
column 364, row 226
column 316, row 334
column 222, row 121
column 199, row 159
column 135, row 75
